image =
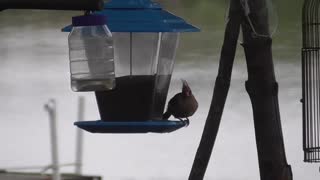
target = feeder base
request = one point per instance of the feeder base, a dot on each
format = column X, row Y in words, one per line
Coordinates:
column 152, row 126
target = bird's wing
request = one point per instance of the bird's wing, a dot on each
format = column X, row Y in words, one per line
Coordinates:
column 175, row 100
column 175, row 105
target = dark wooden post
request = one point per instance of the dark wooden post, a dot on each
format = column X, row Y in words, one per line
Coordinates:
column 263, row 91
column 220, row 92
column 261, row 87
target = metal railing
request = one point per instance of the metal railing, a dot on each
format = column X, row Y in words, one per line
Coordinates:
column 55, row 166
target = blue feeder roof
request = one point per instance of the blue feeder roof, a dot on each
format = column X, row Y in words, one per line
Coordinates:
column 141, row 16
column 159, row 126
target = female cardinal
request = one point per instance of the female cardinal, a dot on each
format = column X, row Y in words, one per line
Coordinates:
column 182, row 105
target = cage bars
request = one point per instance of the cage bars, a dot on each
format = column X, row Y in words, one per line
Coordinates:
column 311, row 80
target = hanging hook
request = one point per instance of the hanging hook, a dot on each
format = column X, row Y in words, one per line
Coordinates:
column 246, row 8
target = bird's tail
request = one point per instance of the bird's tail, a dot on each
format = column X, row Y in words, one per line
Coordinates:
column 166, row 115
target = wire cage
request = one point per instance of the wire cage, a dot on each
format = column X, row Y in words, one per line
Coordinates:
column 311, row 80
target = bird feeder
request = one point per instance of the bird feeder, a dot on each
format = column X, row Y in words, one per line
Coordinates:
column 145, row 39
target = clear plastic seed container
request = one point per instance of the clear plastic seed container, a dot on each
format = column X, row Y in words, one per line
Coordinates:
column 91, row 54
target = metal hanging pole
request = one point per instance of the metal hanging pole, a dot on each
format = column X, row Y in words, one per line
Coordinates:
column 79, row 138
column 220, row 93
column 52, row 4
column 51, row 108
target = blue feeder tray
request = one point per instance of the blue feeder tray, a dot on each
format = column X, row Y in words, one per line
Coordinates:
column 154, row 126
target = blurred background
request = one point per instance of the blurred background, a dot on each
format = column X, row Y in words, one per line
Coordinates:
column 34, row 67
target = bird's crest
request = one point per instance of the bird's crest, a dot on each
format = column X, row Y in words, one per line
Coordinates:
column 185, row 88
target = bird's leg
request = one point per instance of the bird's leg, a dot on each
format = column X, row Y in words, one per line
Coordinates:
column 181, row 120
column 187, row 122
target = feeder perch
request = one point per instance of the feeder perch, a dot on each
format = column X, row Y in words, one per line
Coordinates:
column 145, row 40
